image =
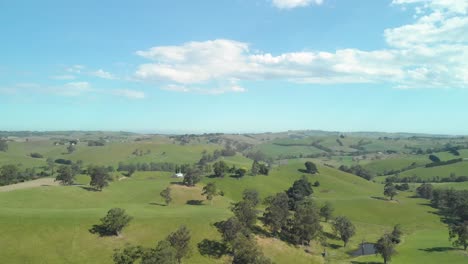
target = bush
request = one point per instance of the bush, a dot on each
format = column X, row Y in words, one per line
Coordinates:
column 36, row 155
column 63, row 161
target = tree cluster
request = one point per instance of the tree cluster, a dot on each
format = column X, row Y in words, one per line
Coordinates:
column 357, row 170
column 171, row 250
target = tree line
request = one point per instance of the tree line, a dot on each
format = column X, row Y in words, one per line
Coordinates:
column 453, row 206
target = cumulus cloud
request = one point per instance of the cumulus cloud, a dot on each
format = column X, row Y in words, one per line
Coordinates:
column 132, row 94
column 431, row 52
column 289, row 4
column 103, row 74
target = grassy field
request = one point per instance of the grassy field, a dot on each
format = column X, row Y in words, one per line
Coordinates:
column 49, row 224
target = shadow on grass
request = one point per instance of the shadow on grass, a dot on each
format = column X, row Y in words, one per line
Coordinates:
column 379, row 198
column 89, row 189
column 261, row 232
column 334, row 246
column 160, row 204
column 437, row 249
column 304, row 171
column 365, row 262
column 194, row 202
column 212, row 248
column 177, row 183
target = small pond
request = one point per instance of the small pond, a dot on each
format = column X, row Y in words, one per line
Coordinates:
column 364, row 249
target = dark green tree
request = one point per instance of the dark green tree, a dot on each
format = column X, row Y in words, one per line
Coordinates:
column 246, row 251
column 230, row 228
column 220, row 168
column 425, row 190
column 343, row 227
column 180, row 241
column 71, row 148
column 245, row 212
column 8, row 174
column 306, row 223
column 276, row 213
column 192, row 176
column 326, row 211
column 100, row 177
column 113, row 223
column 459, row 234
column 240, row 172
column 127, row 255
column 65, row 175
column 50, row 165
column 210, row 191
column 311, row 167
column 77, row 167
column 396, row 234
column 164, row 253
column 166, row 195
column 390, row 190
column 385, row 247
column 434, row 158
column 3, row 145
column 255, row 168
column 300, row 189
column 252, row 196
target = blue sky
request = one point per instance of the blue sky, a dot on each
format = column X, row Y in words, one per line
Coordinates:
column 235, row 66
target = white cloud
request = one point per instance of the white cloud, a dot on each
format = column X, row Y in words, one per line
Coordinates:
column 132, row 94
column 203, row 90
column 289, row 4
column 75, row 69
column 103, row 74
column 72, row 89
column 431, row 52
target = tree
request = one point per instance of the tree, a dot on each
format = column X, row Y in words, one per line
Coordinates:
column 230, row 228
column 434, row 158
column 220, row 168
column 127, row 255
column 180, row 241
column 343, row 227
column 326, row 211
column 425, row 190
column 277, row 212
column 252, row 196
column 3, row 145
column 311, row 167
column 240, row 172
column 113, row 223
column 8, row 174
column 50, row 165
column 65, row 175
column 210, row 191
column 192, row 176
column 245, row 250
column 385, row 247
column 77, row 167
column 301, row 189
column 316, row 184
column 166, row 195
column 459, row 234
column 71, row 148
column 390, row 190
column 245, row 212
column 306, row 222
column 99, row 177
column 164, row 253
column 255, row 168
column 396, row 234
